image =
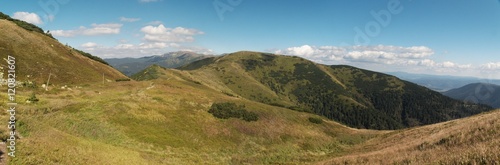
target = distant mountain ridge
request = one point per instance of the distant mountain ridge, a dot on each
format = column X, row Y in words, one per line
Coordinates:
column 482, row 93
column 131, row 66
column 441, row 83
column 356, row 97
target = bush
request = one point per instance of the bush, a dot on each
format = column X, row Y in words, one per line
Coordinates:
column 231, row 110
column 122, row 79
column 95, row 58
column 29, row 84
column 33, row 98
column 315, row 120
column 250, row 116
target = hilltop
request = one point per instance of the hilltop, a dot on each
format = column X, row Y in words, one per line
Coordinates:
column 482, row 93
column 38, row 55
column 131, row 66
column 355, row 97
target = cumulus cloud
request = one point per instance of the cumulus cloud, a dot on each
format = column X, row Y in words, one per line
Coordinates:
column 124, row 19
column 161, row 33
column 379, row 56
column 491, row 66
column 95, row 29
column 156, row 40
column 28, row 17
column 373, row 54
column 89, row 45
column 304, row 50
column 137, row 50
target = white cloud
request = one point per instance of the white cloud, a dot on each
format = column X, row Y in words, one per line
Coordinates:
column 383, row 57
column 137, row 50
column 449, row 64
column 28, row 17
column 372, row 54
column 491, row 66
column 125, row 46
column 161, row 33
column 304, row 50
column 124, row 19
column 156, row 40
column 427, row 62
column 96, row 29
column 89, row 45
column 156, row 45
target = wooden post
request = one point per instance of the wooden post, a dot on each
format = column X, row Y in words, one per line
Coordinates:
column 47, row 86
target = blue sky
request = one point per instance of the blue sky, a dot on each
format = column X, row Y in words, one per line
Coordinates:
column 449, row 37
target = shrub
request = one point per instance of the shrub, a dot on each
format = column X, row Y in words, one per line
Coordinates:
column 122, row 79
column 315, row 120
column 231, row 110
column 250, row 116
column 88, row 55
column 33, row 98
column 29, row 84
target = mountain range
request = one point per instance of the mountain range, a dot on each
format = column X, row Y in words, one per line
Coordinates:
column 240, row 108
column 441, row 83
column 482, row 93
column 130, row 66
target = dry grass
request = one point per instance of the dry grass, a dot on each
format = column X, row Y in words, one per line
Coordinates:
column 473, row 140
column 165, row 121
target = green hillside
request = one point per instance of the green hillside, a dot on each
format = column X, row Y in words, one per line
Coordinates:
column 352, row 96
column 482, row 93
column 171, row 120
column 38, row 55
column 168, row 121
column 150, row 73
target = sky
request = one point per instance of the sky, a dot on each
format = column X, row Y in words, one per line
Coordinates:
column 445, row 37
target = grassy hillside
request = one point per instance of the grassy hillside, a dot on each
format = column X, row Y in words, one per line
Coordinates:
column 167, row 121
column 38, row 55
column 482, row 93
column 473, row 140
column 150, row 73
column 352, row 96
